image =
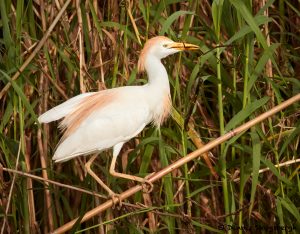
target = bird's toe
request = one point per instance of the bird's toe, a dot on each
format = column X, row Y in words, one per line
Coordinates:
column 147, row 186
column 116, row 200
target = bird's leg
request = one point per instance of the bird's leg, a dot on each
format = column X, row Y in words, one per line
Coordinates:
column 147, row 185
column 115, row 197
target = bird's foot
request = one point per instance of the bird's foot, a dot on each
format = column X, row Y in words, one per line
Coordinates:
column 147, row 185
column 116, row 200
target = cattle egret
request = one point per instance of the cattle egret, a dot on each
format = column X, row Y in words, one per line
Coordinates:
column 97, row 121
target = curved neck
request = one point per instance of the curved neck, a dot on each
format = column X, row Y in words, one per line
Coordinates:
column 157, row 73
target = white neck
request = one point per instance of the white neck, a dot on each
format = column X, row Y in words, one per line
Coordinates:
column 158, row 90
column 157, row 73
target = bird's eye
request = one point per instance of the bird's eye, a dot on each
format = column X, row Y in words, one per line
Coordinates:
column 165, row 45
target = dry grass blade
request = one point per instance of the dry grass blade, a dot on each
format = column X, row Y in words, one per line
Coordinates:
column 284, row 164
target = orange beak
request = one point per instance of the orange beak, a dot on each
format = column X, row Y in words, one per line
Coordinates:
column 183, row 46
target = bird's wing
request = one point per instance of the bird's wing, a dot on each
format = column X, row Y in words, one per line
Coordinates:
column 63, row 109
column 117, row 122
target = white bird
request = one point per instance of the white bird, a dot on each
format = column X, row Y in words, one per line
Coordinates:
column 97, row 121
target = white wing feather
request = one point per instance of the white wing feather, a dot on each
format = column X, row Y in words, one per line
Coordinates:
column 118, row 122
column 63, row 109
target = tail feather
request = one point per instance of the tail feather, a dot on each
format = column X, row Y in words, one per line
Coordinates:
column 63, row 109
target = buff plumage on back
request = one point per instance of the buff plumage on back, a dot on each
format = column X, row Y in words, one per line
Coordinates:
column 63, row 109
column 86, row 107
column 145, row 50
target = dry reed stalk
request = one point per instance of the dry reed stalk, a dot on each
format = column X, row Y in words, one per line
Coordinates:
column 57, row 87
column 10, row 190
column 151, row 216
column 137, row 34
column 81, row 49
column 284, row 164
column 38, row 178
column 42, row 145
column 31, row 200
column 269, row 67
column 43, row 161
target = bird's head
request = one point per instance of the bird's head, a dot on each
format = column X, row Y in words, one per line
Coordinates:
column 161, row 47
